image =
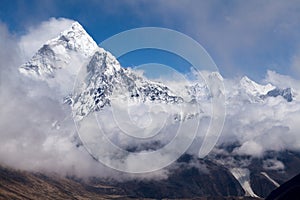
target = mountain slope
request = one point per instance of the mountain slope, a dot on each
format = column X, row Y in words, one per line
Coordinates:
column 25, row 185
column 105, row 78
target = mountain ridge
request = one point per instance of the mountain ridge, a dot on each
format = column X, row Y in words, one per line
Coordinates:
column 74, row 44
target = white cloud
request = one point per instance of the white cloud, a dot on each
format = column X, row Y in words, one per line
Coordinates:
column 242, row 37
column 282, row 81
column 250, row 148
column 263, row 126
column 273, row 164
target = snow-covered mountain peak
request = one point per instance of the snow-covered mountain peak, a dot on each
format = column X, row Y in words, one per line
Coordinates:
column 246, row 79
column 77, row 39
column 70, row 49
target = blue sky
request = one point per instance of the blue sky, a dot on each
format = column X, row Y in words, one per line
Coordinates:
column 242, row 37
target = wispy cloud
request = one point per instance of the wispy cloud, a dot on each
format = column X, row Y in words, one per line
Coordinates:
column 243, row 37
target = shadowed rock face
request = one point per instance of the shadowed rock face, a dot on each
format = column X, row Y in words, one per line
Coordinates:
column 288, row 190
column 260, row 184
column 285, row 93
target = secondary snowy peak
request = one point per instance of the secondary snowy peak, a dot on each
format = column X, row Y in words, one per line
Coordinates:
column 59, row 52
column 261, row 92
column 253, row 88
column 246, row 90
column 106, row 79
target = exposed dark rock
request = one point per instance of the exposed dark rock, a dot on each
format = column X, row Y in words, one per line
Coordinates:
column 285, row 93
column 289, row 190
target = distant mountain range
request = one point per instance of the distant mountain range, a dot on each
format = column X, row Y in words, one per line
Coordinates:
column 74, row 49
